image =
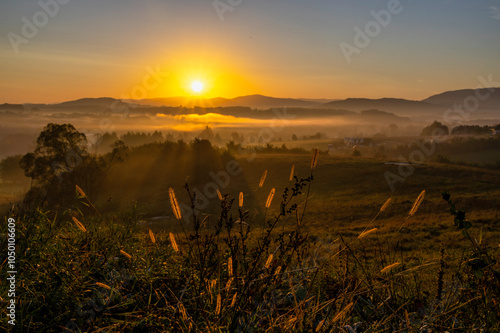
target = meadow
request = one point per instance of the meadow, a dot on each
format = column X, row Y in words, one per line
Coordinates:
column 325, row 247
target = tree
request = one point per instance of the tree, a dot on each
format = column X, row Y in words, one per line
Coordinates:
column 435, row 129
column 294, row 137
column 206, row 134
column 54, row 166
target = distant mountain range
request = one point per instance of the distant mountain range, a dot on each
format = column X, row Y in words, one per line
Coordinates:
column 433, row 106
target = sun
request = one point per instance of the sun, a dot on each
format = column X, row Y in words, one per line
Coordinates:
column 197, row 86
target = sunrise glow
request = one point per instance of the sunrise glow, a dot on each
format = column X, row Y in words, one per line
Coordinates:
column 197, row 86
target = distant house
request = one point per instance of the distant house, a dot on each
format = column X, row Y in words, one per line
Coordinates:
column 496, row 130
column 353, row 141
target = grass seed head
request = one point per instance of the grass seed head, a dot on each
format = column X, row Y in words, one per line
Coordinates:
column 79, row 190
column 183, row 312
column 390, row 267
column 218, row 307
column 102, row 285
column 213, row 283
column 417, row 203
column 126, row 254
column 384, row 206
column 174, row 204
column 269, row 261
column 152, row 236
column 219, row 195
column 314, row 160
column 320, row 325
column 230, row 266
column 79, row 224
column 240, row 203
column 263, row 179
column 270, row 198
column 233, row 302
column 173, row 242
column 292, row 172
column 366, row 233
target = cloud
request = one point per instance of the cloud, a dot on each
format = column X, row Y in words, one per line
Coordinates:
column 495, row 12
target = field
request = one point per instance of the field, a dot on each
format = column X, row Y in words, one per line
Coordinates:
column 328, row 258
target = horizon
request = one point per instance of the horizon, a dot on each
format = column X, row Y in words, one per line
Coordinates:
column 57, row 50
column 189, row 98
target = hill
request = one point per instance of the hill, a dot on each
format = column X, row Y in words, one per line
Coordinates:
column 490, row 100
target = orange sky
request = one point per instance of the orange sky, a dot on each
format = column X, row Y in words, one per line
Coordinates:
column 281, row 48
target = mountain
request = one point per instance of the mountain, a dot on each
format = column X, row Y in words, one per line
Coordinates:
column 488, row 97
column 253, row 101
column 187, row 102
column 433, row 107
column 101, row 101
column 265, row 102
column 402, row 107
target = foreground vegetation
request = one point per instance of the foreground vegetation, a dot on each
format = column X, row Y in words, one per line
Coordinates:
column 251, row 271
column 188, row 237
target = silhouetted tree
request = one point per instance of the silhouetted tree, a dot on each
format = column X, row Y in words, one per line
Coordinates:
column 471, row 130
column 436, row 128
column 206, row 134
column 56, row 164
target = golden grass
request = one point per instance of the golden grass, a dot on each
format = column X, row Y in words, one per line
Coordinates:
column 152, row 236
column 390, row 267
column 320, row 325
column 366, row 233
column 173, row 242
column 240, row 201
column 213, row 284
column 384, row 206
column 219, row 195
column 292, row 172
column 417, row 203
column 79, row 224
column 218, row 307
column 230, row 266
column 263, row 179
column 102, row 285
column 314, row 160
column 269, row 261
column 183, row 312
column 270, row 198
column 233, row 302
column 126, row 254
column 174, row 204
column 79, row 190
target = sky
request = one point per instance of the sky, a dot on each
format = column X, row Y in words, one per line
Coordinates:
column 59, row 50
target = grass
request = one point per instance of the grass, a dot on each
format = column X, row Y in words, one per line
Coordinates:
column 265, row 266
